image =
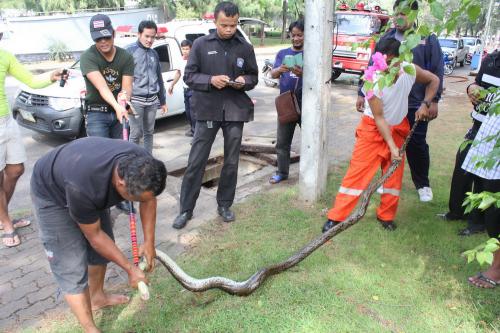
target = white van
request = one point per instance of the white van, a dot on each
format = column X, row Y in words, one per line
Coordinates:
column 192, row 29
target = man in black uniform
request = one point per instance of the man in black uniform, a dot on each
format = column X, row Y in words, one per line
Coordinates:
column 72, row 188
column 461, row 182
column 221, row 67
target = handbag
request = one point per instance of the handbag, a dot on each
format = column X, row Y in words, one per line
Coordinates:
column 287, row 106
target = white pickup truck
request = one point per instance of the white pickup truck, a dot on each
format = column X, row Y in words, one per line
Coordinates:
column 455, row 48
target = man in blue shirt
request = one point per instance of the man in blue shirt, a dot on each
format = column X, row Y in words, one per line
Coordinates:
column 428, row 56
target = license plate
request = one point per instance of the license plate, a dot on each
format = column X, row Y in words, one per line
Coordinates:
column 27, row 116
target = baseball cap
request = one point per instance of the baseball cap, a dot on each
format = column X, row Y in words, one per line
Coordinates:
column 100, row 27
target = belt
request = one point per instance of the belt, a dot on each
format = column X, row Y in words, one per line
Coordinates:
column 97, row 108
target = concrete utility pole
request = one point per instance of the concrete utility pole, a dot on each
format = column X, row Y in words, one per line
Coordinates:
column 316, row 97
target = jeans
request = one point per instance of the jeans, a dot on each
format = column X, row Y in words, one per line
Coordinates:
column 200, row 150
column 103, row 124
column 143, row 125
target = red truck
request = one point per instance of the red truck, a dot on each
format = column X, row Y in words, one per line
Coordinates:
column 355, row 25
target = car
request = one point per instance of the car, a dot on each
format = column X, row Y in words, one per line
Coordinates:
column 474, row 44
column 455, row 49
column 56, row 110
column 192, row 29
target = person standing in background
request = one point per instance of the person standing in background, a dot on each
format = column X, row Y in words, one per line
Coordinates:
column 148, row 89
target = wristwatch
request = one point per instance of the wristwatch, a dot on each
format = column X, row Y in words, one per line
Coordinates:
column 427, row 103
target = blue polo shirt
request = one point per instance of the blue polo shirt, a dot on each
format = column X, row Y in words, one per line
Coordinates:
column 288, row 80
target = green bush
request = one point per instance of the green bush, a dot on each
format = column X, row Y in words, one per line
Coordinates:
column 58, row 51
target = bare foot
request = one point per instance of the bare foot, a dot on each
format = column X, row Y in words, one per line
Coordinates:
column 483, row 280
column 108, row 300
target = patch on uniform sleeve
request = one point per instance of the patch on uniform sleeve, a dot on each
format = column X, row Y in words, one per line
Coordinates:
column 240, row 62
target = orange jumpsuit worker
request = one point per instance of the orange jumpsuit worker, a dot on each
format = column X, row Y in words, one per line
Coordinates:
column 379, row 136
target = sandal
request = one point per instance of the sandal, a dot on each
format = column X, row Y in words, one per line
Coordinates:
column 13, row 236
column 275, row 179
column 18, row 223
column 481, row 277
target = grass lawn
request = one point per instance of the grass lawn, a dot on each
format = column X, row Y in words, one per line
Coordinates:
column 364, row 280
column 269, row 42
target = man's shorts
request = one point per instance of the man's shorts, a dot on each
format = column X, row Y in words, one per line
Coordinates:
column 68, row 251
column 11, row 143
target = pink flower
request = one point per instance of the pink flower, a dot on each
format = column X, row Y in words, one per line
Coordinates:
column 369, row 73
column 369, row 94
column 379, row 62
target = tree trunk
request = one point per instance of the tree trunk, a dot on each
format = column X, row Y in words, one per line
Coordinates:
column 283, row 28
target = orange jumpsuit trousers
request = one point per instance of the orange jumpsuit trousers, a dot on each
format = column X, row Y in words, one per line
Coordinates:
column 371, row 152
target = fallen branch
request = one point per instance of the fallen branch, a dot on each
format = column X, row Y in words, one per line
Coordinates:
column 247, row 287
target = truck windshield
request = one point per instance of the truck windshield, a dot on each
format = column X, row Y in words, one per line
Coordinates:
column 469, row 41
column 452, row 44
column 352, row 24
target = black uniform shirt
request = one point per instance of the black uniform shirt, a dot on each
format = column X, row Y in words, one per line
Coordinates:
column 211, row 56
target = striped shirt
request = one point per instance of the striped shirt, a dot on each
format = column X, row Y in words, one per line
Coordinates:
column 489, row 128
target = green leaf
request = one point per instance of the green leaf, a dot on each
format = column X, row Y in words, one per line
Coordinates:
column 473, row 12
column 409, row 69
column 412, row 40
column 485, row 257
column 437, row 10
column 491, row 248
column 486, row 202
column 493, row 241
column 424, row 30
column 482, row 258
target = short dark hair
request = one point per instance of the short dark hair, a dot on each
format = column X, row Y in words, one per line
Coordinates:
column 299, row 24
column 230, row 9
column 404, row 4
column 186, row 42
column 388, row 46
column 146, row 24
column 142, row 174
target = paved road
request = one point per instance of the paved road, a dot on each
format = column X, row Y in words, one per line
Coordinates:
column 27, row 291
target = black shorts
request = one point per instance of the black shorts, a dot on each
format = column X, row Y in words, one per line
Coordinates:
column 68, row 251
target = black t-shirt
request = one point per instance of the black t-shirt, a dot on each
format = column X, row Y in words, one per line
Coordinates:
column 487, row 77
column 78, row 175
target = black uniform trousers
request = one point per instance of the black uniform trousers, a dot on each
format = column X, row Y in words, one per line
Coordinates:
column 204, row 136
column 489, row 218
column 417, row 152
column 461, row 180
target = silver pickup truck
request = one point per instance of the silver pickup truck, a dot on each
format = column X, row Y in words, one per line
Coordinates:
column 455, row 48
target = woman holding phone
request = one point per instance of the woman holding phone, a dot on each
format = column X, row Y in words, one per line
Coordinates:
column 288, row 68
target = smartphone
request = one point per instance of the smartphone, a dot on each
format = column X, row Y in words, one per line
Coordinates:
column 289, row 61
column 235, row 83
column 62, row 82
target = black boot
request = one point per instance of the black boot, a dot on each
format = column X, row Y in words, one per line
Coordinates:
column 182, row 219
column 328, row 225
column 226, row 213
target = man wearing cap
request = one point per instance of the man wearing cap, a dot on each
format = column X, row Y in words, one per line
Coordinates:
column 109, row 72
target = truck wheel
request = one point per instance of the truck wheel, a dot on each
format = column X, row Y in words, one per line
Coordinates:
column 335, row 74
